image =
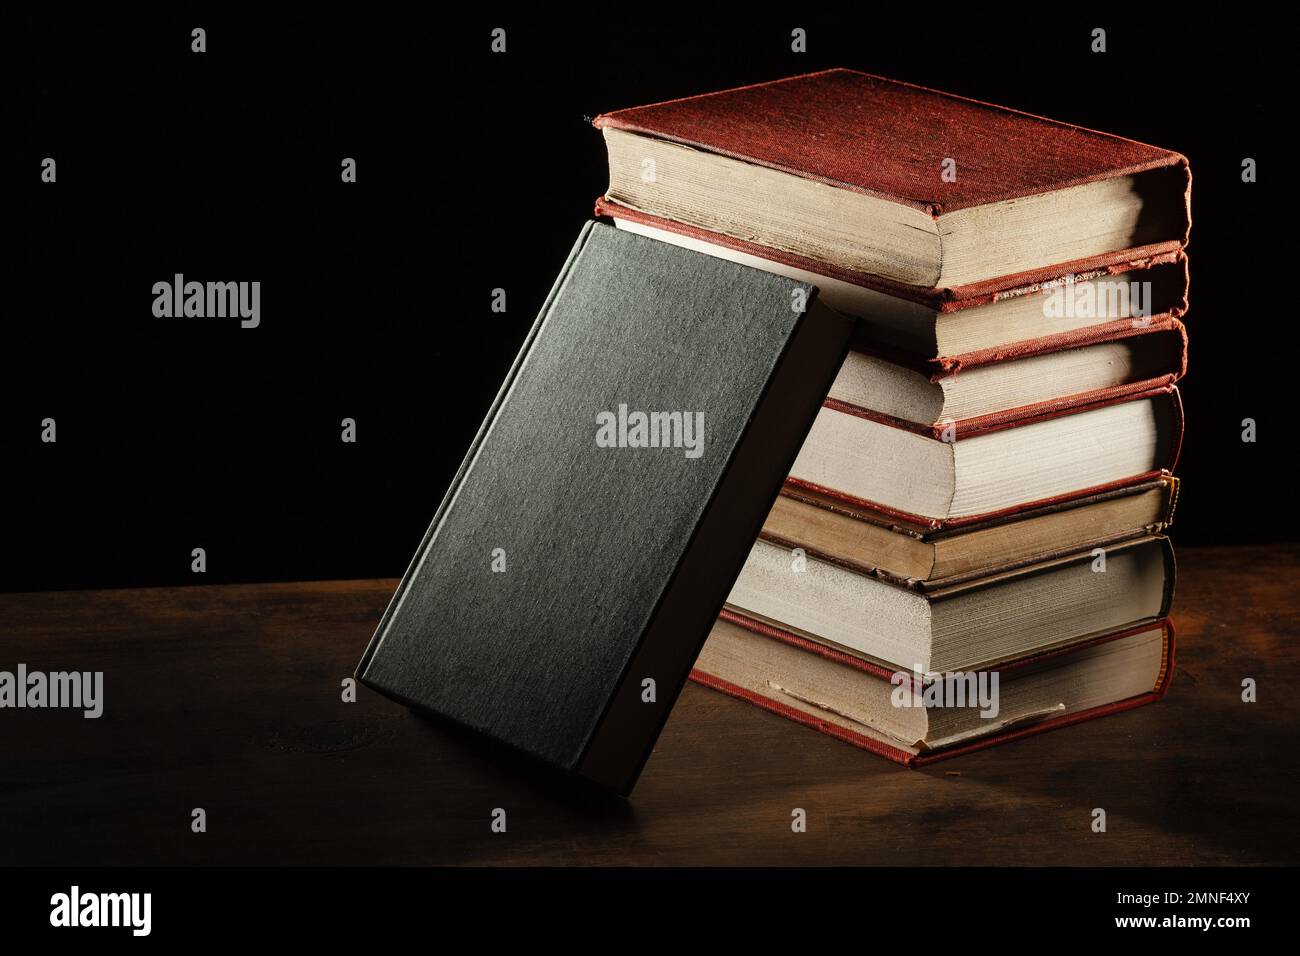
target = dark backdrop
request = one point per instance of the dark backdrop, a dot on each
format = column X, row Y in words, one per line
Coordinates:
column 475, row 172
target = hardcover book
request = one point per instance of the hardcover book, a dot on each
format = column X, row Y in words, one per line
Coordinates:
column 588, row 541
column 961, row 472
column 1128, row 360
column 926, row 189
column 1056, row 307
column 965, row 625
column 888, row 712
column 919, row 556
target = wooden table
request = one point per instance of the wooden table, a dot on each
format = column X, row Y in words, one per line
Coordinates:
column 229, row 698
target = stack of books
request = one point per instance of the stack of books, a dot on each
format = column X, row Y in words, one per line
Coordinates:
column 969, row 545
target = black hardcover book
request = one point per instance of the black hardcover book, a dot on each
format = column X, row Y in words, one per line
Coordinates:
column 590, row 538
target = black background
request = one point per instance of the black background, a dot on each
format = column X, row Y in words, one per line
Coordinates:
column 475, row 171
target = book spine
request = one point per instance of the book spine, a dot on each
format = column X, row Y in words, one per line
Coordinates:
column 1172, row 486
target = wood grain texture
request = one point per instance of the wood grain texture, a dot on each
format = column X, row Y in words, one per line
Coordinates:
column 228, row 698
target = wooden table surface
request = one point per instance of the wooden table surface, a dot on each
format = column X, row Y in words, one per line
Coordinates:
column 229, row 698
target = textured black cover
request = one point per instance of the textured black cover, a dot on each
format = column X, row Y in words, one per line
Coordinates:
column 617, row 560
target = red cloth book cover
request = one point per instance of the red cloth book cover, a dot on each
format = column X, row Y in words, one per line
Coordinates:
column 874, row 135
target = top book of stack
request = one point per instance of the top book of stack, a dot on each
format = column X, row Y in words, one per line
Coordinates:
column 924, row 194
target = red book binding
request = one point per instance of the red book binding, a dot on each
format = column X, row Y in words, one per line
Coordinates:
column 878, row 136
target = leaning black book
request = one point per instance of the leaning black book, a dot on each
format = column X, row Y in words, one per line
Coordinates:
column 590, row 537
